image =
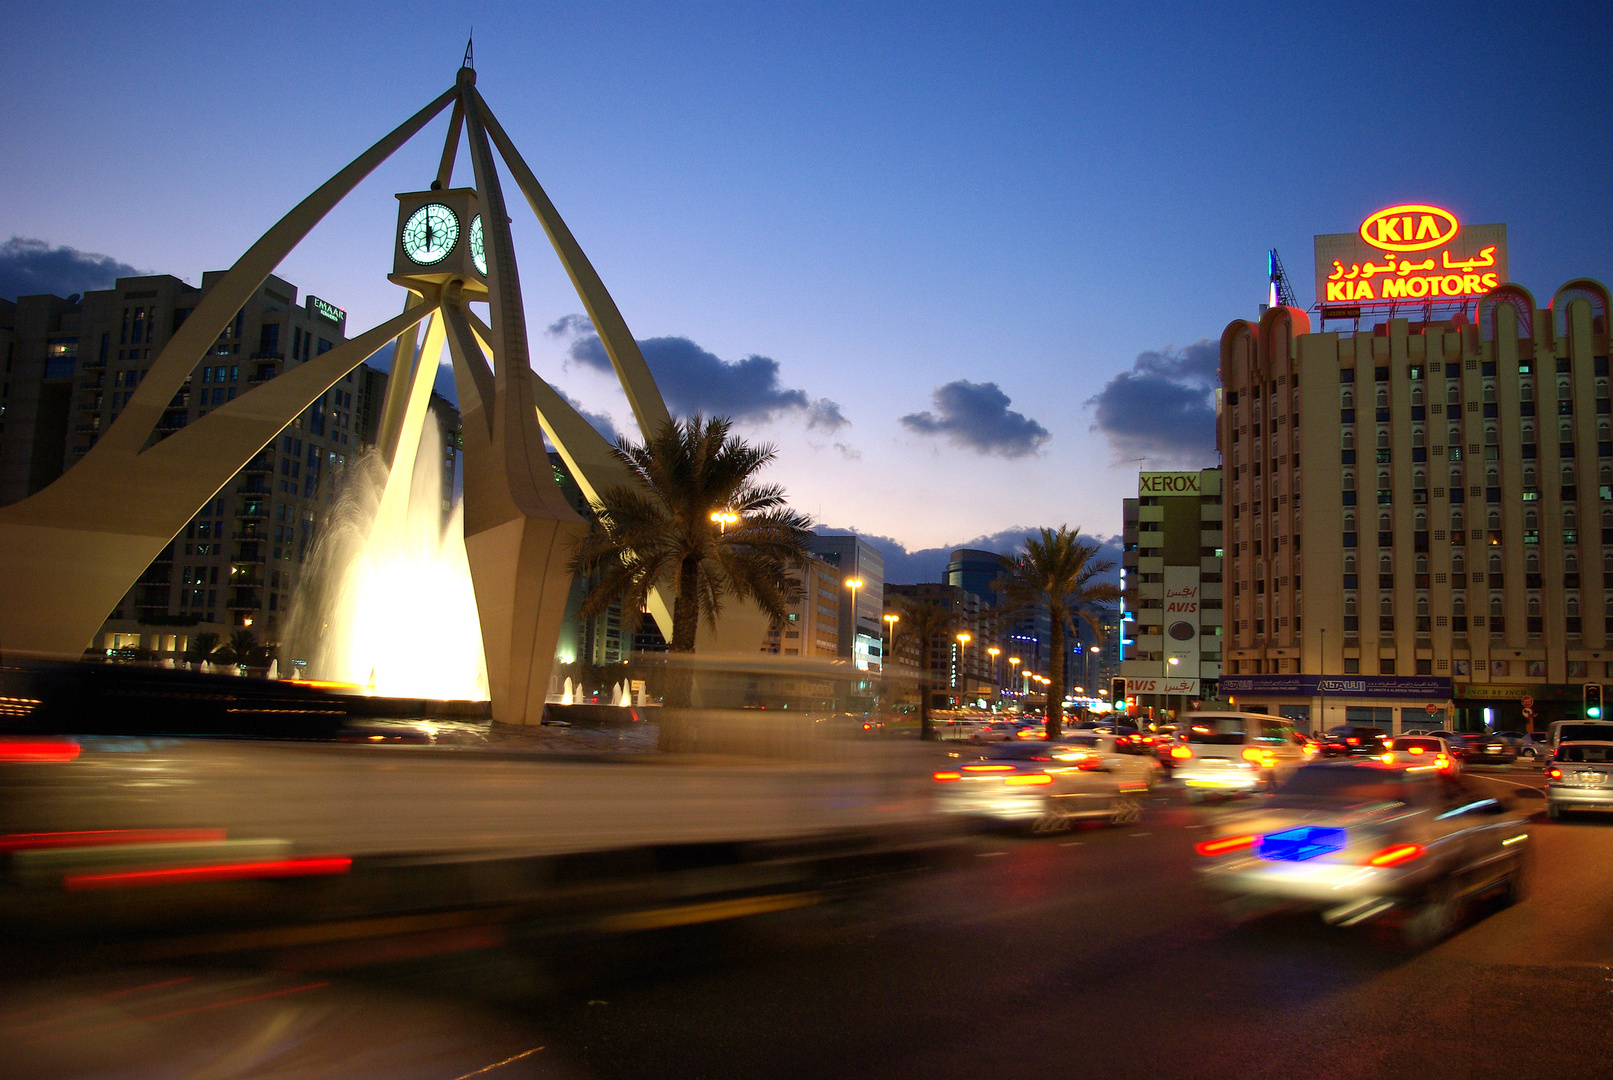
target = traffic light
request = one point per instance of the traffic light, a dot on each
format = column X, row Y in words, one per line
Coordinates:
column 1593, row 701
column 1117, row 693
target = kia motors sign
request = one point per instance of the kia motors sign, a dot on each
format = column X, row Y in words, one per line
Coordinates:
column 1168, row 483
column 1410, row 252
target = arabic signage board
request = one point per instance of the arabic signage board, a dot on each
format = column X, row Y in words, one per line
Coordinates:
column 1410, row 253
column 1189, row 687
column 1168, row 483
column 1417, row 687
column 1181, row 620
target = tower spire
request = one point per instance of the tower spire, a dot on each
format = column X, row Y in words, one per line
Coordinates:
column 470, row 58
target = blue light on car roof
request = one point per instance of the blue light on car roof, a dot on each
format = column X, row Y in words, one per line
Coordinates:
column 1297, row 845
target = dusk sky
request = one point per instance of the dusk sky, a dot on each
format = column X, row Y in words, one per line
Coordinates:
column 964, row 264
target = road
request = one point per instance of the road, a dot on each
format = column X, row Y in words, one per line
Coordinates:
column 1087, row 954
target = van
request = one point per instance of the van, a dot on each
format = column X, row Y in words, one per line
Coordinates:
column 1580, row 731
column 1230, row 753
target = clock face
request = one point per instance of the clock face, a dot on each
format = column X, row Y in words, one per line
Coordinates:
column 430, row 234
column 478, row 252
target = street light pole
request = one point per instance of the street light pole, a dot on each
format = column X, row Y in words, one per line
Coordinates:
column 963, row 682
column 854, row 583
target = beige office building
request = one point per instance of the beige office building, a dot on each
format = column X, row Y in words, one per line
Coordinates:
column 1420, row 512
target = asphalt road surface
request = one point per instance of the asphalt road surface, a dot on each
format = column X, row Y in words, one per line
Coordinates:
column 1086, row 954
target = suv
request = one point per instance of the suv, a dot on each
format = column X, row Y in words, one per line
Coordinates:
column 1233, row 752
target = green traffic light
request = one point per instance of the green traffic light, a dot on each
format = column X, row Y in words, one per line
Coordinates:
column 1594, row 712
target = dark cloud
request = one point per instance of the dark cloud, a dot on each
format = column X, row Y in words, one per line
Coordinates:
column 30, row 267
column 1163, row 409
column 904, row 567
column 693, row 380
column 600, row 422
column 976, row 416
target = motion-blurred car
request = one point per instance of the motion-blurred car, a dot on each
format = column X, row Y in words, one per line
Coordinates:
column 1460, row 743
column 1135, row 772
column 1041, row 786
column 1580, row 777
column 1536, row 746
column 1490, row 750
column 1421, row 750
column 1359, row 839
column 996, row 731
column 1230, row 753
column 1348, row 739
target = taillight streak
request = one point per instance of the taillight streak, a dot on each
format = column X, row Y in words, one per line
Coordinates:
column 307, row 866
column 1032, row 779
column 1224, row 844
column 948, row 776
column 1395, row 855
column 105, row 838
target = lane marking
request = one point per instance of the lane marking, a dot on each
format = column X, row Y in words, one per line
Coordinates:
column 989, row 854
column 499, row 1064
column 1071, row 843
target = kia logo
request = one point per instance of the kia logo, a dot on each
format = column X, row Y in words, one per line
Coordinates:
column 1412, row 227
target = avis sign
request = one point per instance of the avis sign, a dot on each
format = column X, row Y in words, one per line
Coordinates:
column 1410, row 252
column 1162, row 686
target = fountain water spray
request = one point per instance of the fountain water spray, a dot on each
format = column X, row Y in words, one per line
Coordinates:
column 388, row 601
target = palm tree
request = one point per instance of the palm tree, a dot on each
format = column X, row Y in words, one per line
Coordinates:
column 923, row 622
column 201, row 647
column 1058, row 574
column 661, row 530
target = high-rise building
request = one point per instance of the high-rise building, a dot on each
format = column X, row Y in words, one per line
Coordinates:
column 75, row 362
column 855, row 559
column 812, row 625
column 1170, row 642
column 1448, row 543
column 958, row 669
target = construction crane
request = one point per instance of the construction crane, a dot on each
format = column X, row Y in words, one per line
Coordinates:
column 1282, row 291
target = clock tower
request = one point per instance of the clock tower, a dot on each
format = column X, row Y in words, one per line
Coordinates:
column 440, row 239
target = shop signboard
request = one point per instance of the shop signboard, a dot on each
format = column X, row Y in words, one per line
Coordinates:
column 1169, row 483
column 1419, row 687
column 1181, row 620
column 1410, row 253
column 1135, row 686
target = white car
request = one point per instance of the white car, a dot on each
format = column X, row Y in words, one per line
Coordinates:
column 1421, row 750
column 1135, row 772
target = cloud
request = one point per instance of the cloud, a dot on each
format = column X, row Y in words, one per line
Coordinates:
column 1163, row 409
column 30, row 267
column 693, row 380
column 600, row 422
column 904, row 567
column 976, row 416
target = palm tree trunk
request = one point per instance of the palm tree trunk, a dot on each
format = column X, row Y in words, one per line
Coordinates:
column 1055, row 686
column 686, row 609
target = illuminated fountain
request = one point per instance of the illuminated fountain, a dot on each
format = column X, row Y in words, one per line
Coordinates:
column 389, row 603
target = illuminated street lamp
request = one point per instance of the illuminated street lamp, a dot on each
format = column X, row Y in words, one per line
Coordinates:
column 724, row 518
column 1013, row 667
column 994, row 652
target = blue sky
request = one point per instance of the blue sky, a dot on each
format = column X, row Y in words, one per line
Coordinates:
column 956, row 224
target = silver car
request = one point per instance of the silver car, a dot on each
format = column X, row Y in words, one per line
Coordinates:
column 1363, row 839
column 1133, row 771
column 1580, row 777
column 1227, row 753
column 1037, row 785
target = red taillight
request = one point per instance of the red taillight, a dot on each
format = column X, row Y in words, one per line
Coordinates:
column 1089, row 763
column 308, row 866
column 1031, row 780
column 1353, row 741
column 988, row 768
column 1442, row 762
column 1554, row 774
column 1394, row 856
column 1264, row 758
column 1224, row 844
column 948, row 776
column 1181, row 753
column 38, row 751
column 1413, row 749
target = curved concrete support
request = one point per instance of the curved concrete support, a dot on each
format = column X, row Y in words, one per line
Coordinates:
column 70, row 560
column 399, row 379
column 191, row 341
column 644, row 397
column 518, row 526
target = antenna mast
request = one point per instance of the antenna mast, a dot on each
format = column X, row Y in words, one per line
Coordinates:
column 1282, row 291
